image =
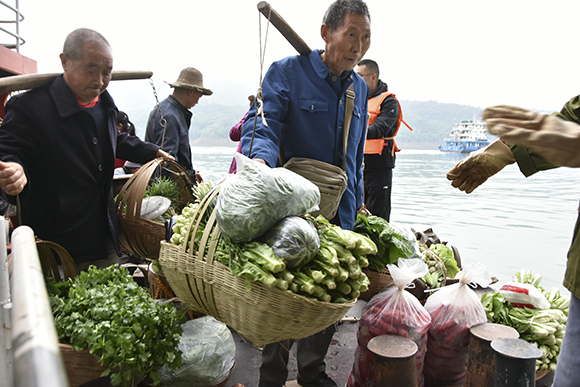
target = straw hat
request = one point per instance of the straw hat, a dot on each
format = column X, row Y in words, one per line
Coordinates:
column 190, row 78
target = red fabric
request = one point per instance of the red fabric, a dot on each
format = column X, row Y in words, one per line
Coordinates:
column 119, row 163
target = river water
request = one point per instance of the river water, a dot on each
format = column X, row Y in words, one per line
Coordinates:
column 507, row 224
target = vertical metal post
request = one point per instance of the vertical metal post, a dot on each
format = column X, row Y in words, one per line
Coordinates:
column 5, row 305
column 17, row 27
column 37, row 357
column 515, row 362
column 394, row 361
column 481, row 366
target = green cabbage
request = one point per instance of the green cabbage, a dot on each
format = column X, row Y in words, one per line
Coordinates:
column 293, row 239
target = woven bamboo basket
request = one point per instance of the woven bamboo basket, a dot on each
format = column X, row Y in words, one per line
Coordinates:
column 139, row 236
column 81, row 366
column 261, row 315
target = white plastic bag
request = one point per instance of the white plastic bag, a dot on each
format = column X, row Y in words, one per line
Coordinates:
column 454, row 309
column 393, row 311
column 257, row 197
column 208, row 353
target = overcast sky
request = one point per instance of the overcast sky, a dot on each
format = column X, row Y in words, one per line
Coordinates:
column 476, row 53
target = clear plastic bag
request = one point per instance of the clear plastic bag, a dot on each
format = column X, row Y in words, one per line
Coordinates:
column 454, row 309
column 257, row 197
column 208, row 354
column 410, row 240
column 293, row 239
column 393, row 311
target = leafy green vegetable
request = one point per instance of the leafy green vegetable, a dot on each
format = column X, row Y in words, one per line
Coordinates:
column 294, row 239
column 543, row 328
column 108, row 313
column 389, row 243
column 442, row 265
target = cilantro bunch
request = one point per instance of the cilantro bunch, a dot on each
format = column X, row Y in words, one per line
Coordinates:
column 108, row 313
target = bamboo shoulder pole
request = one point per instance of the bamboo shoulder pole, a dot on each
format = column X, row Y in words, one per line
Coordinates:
column 31, row 81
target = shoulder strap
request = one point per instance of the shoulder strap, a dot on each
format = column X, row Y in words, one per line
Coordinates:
column 349, row 107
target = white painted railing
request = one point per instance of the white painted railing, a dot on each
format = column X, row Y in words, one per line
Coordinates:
column 35, row 354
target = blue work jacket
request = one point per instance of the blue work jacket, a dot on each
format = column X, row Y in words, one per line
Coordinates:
column 304, row 105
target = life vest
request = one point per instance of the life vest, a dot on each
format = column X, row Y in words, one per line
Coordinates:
column 375, row 146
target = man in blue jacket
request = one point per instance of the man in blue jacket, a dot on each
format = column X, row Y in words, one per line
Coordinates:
column 58, row 144
column 304, row 104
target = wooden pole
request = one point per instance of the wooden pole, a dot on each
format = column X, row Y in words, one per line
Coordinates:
column 31, row 81
column 291, row 36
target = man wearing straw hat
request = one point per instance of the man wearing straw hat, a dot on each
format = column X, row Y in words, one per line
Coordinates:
column 304, row 101
column 58, row 144
column 172, row 132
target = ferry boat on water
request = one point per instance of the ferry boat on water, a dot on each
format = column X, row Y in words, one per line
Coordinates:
column 466, row 137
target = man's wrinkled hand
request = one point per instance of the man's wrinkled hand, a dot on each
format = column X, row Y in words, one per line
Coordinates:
column 479, row 166
column 165, row 155
column 12, row 178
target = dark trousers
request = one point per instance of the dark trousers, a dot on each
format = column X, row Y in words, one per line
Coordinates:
column 310, row 354
column 378, row 184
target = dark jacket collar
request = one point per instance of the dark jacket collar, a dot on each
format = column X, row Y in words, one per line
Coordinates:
column 186, row 113
column 65, row 101
column 381, row 88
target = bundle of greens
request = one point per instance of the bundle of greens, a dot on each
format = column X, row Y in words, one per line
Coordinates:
column 390, row 244
column 333, row 275
column 442, row 265
column 108, row 313
column 543, row 328
column 167, row 188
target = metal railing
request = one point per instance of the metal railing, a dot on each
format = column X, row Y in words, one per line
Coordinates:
column 18, row 17
column 31, row 342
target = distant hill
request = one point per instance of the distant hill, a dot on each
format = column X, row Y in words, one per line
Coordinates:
column 431, row 122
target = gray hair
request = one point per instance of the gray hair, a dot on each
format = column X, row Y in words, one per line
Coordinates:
column 73, row 45
column 335, row 13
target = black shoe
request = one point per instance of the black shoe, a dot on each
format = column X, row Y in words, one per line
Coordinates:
column 322, row 380
column 264, row 383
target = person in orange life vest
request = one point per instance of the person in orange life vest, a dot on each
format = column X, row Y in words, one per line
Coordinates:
column 383, row 123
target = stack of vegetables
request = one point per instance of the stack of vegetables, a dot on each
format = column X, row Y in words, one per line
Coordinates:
column 542, row 327
column 300, row 254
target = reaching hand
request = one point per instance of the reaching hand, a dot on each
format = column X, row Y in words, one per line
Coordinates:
column 557, row 140
column 165, row 155
column 12, row 178
column 473, row 171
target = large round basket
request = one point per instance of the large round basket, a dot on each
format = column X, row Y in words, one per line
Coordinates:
column 137, row 235
column 260, row 314
column 81, row 366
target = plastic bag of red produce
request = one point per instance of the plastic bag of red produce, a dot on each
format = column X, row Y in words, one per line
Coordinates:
column 454, row 309
column 392, row 311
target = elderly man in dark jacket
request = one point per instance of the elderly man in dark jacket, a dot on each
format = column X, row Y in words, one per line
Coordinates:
column 58, row 144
